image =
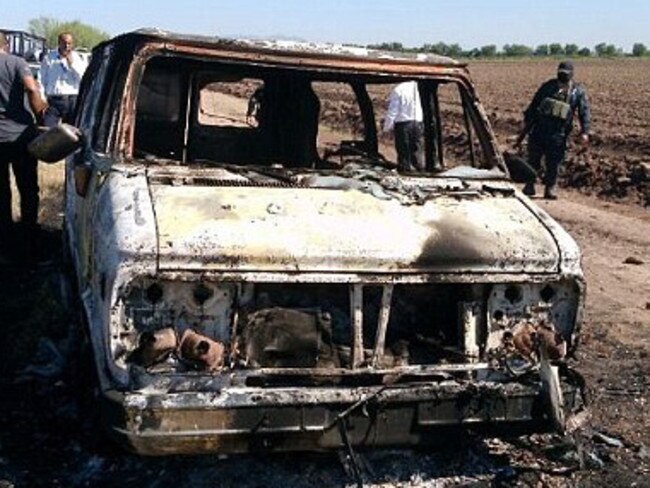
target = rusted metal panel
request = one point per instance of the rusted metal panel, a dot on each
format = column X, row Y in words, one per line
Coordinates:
column 295, row 419
column 126, row 123
column 385, row 66
column 292, row 49
column 145, row 48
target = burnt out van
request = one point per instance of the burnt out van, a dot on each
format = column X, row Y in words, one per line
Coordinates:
column 257, row 272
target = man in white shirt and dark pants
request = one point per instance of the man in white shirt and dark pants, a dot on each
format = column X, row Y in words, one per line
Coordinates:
column 61, row 73
column 404, row 118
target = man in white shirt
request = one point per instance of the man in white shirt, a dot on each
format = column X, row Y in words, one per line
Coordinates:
column 404, row 118
column 61, row 73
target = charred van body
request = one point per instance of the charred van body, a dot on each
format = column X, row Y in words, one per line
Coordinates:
column 266, row 278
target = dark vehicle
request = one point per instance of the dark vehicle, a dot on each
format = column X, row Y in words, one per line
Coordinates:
column 28, row 46
column 255, row 273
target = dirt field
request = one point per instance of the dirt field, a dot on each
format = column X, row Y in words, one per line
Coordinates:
column 619, row 94
column 46, row 437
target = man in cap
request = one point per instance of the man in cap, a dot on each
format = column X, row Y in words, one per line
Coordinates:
column 549, row 121
column 17, row 129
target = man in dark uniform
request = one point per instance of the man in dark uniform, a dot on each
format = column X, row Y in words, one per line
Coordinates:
column 549, row 118
column 17, row 129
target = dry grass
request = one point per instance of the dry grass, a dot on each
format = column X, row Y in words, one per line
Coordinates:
column 51, row 179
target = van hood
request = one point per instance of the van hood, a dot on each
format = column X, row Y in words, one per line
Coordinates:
column 347, row 230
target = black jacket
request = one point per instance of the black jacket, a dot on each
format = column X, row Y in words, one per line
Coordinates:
column 543, row 126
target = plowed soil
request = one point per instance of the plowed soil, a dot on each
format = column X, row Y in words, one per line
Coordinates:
column 618, row 164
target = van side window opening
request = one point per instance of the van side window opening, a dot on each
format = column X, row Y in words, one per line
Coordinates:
column 230, row 104
column 461, row 145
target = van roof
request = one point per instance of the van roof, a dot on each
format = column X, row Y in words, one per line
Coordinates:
column 288, row 48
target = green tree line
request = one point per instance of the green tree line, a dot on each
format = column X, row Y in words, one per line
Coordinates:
column 88, row 36
column 85, row 35
column 602, row 49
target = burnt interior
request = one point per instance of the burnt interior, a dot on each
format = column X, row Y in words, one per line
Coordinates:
column 422, row 326
column 297, row 326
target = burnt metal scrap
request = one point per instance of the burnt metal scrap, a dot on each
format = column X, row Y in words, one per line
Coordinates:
column 155, row 346
column 202, row 351
column 246, row 288
column 194, row 349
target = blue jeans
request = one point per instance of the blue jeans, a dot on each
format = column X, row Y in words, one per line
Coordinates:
column 61, row 108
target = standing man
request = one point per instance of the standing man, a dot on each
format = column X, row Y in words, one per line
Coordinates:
column 549, row 118
column 61, row 73
column 17, row 129
column 404, row 118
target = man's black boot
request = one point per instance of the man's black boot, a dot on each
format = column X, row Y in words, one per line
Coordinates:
column 529, row 189
column 550, row 192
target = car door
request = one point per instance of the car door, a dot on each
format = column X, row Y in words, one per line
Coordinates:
column 82, row 168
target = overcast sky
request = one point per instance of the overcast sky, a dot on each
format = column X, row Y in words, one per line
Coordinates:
column 470, row 23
